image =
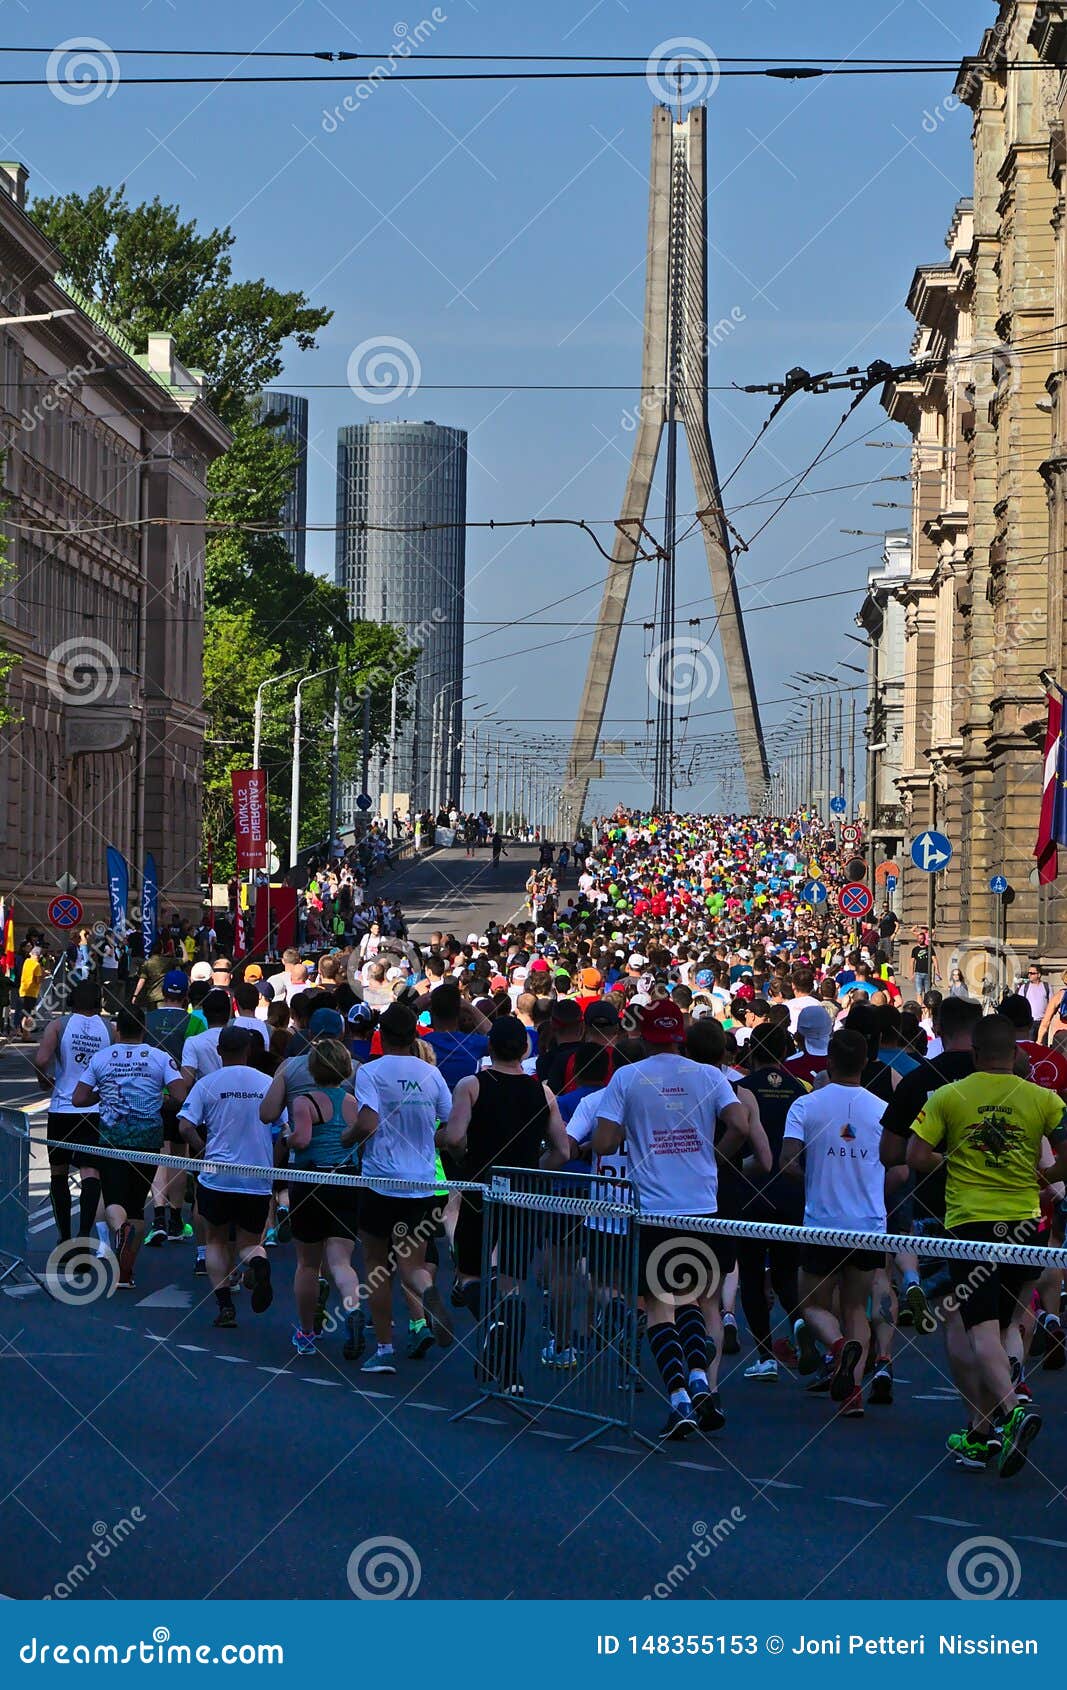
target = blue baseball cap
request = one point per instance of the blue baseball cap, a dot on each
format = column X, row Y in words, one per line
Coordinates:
column 175, row 982
column 360, row 1015
column 326, row 1024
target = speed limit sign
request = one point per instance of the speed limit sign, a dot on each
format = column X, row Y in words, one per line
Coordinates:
column 851, row 834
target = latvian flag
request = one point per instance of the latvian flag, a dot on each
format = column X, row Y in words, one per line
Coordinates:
column 1052, row 827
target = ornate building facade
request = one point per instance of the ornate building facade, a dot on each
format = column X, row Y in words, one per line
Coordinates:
column 105, row 454
column 981, row 603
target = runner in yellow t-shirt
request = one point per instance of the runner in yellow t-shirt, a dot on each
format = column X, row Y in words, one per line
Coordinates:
column 988, row 1128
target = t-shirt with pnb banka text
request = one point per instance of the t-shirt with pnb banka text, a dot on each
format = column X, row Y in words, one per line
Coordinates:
column 989, row 1128
column 668, row 1107
column 224, row 1107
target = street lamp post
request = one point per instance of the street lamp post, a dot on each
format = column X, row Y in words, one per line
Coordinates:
column 392, row 762
column 257, row 732
column 294, row 802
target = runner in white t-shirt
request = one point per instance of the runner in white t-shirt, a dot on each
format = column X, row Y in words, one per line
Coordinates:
column 837, row 1131
column 128, row 1081
column 667, row 1110
column 67, row 1047
column 200, row 1053
column 220, row 1120
column 402, row 1100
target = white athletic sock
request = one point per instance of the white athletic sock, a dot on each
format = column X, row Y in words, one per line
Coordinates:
column 698, row 1380
column 385, row 1349
column 680, row 1399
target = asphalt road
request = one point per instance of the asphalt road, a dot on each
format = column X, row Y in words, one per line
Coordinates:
column 221, row 1464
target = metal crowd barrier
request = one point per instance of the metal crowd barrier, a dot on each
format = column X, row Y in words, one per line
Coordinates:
column 558, row 1319
column 14, row 1191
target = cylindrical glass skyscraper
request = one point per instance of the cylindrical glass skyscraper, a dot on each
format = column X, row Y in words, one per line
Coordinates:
column 415, row 475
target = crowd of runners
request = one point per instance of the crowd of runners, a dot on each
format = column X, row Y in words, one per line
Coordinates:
column 668, row 1011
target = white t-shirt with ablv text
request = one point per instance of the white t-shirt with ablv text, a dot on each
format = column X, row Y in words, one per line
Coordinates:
column 840, row 1128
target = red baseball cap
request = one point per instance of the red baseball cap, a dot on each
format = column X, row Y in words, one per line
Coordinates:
column 662, row 1023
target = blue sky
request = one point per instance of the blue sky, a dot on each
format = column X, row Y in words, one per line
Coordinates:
column 498, row 230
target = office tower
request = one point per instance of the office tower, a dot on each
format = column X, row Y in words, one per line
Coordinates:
column 401, row 557
column 293, row 429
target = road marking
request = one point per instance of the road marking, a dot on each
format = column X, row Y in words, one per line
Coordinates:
column 946, row 1520
column 170, row 1297
column 856, row 1501
column 309, row 1378
column 699, row 1467
column 775, row 1484
column 488, row 1420
column 1046, row 1542
column 558, row 1437
column 241, row 1360
column 429, row 1407
column 197, row 1349
column 274, row 1370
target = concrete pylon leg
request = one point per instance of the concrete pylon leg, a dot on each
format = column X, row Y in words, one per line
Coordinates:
column 609, row 625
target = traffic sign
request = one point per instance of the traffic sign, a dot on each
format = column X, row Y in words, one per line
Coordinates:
column 851, row 834
column 814, row 892
column 998, row 884
column 67, row 883
column 364, row 801
column 931, row 851
column 855, row 899
column 887, row 871
column 838, row 805
column 65, row 911
column 890, row 882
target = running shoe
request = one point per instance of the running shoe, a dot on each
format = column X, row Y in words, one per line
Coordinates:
column 378, row 1363
column 809, row 1355
column 851, row 1407
column 420, row 1339
column 303, row 1342
column 262, row 1289
column 270, row 1238
column 438, row 1316
column 764, row 1367
column 320, row 1305
column 881, row 1391
column 821, row 1381
column 177, row 1229
column 154, row 1237
column 680, row 1423
column 709, row 1416
column 970, row 1451
column 355, row 1335
column 1023, row 1393
column 846, row 1353
column 282, row 1230
column 125, row 1250
column 553, row 1356
column 1055, row 1356
column 731, row 1338
column 200, row 1268
column 922, row 1316
column 1016, row 1435
column 226, row 1317
column 783, row 1351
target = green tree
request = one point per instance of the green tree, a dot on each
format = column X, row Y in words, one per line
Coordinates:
column 155, row 271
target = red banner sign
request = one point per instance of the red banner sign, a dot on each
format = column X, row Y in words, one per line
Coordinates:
column 250, row 817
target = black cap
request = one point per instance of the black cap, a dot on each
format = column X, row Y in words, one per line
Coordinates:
column 398, row 1024
column 601, row 1013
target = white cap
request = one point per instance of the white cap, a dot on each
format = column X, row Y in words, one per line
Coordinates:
column 200, row 971
column 637, row 960
column 473, row 939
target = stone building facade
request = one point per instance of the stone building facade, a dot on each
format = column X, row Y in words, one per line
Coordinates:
column 105, row 456
column 981, row 601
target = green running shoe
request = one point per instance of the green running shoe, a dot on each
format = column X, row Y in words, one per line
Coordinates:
column 969, row 1450
column 1017, row 1434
